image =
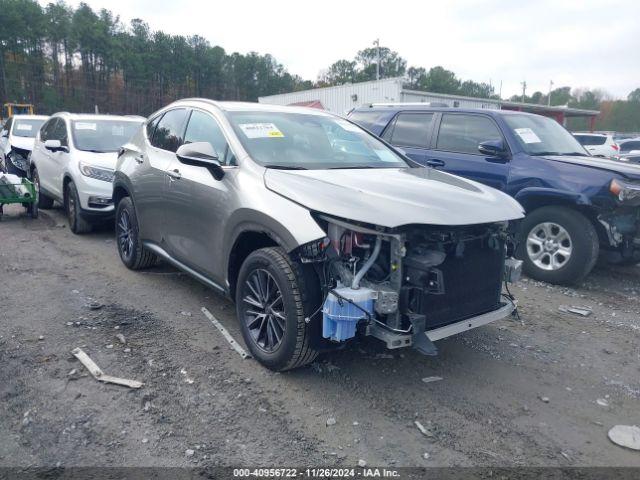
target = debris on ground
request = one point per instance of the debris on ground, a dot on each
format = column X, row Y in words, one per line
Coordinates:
column 331, row 421
column 431, row 379
column 362, row 463
column 545, row 399
column 95, row 306
column 189, row 452
column 583, row 311
column 422, row 429
column 236, row 346
column 186, row 314
column 121, row 338
column 99, row 375
column 426, row 456
column 187, row 379
column 602, row 402
column 627, row 436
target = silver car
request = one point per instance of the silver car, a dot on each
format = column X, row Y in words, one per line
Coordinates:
column 317, row 229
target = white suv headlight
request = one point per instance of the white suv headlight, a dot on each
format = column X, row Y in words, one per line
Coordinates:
column 99, row 173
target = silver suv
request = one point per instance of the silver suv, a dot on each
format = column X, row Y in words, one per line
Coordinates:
column 317, row 229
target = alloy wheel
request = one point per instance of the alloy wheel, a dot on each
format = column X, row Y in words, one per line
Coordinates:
column 549, row 246
column 263, row 308
column 125, row 235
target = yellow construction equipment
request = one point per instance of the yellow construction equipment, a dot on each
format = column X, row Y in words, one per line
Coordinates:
column 10, row 109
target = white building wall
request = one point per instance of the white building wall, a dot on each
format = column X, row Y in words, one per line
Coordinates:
column 341, row 99
column 409, row 96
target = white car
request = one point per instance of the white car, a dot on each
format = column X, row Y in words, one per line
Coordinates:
column 598, row 144
column 16, row 142
column 73, row 162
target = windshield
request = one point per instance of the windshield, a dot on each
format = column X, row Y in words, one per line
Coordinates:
column 308, row 141
column 26, row 127
column 102, row 135
column 543, row 136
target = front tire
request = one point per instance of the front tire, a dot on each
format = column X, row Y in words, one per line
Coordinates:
column 132, row 252
column 77, row 224
column 274, row 295
column 558, row 245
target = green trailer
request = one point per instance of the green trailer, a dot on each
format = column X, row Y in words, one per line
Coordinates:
column 24, row 193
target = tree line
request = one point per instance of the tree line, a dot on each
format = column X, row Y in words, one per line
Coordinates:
column 63, row 58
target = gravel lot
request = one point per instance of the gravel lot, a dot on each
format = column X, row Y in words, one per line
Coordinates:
column 513, row 393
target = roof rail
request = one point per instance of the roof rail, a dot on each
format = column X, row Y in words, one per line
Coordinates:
column 409, row 104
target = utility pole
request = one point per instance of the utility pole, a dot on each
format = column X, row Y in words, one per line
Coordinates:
column 549, row 97
column 377, row 44
column 500, row 91
column 524, row 89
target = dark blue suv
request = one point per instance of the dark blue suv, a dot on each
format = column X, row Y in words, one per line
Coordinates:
column 578, row 206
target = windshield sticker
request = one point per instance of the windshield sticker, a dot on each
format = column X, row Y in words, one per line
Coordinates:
column 24, row 126
column 261, row 130
column 348, row 126
column 85, row 126
column 527, row 135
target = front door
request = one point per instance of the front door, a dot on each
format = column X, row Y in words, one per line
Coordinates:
column 455, row 148
column 196, row 203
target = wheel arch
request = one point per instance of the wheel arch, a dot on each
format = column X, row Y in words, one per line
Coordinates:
column 535, row 198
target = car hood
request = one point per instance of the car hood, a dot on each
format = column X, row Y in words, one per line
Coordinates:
column 394, row 197
column 104, row 160
column 24, row 143
column 626, row 169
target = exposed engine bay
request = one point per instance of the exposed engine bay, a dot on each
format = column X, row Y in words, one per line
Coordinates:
column 397, row 284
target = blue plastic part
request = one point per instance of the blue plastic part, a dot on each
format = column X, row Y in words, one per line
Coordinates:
column 340, row 318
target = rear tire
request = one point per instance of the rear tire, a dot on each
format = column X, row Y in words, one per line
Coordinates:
column 44, row 202
column 77, row 224
column 130, row 248
column 558, row 245
column 284, row 320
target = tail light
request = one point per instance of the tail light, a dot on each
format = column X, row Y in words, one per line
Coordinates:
column 615, row 147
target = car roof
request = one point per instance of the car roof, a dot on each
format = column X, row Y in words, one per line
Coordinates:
column 247, row 106
column 417, row 107
column 93, row 116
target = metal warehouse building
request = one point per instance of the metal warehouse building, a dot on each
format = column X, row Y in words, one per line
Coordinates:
column 342, row 98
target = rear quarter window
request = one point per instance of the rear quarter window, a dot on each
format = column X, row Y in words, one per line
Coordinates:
column 591, row 139
column 366, row 119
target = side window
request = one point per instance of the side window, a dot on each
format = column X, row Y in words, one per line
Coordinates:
column 47, row 129
column 463, row 133
column 412, row 130
column 7, row 126
column 170, row 130
column 60, row 132
column 204, row 128
column 151, row 126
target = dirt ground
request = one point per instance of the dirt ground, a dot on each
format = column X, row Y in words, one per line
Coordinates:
column 512, row 393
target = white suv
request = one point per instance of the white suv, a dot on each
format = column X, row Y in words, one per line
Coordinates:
column 16, row 142
column 73, row 160
column 598, row 144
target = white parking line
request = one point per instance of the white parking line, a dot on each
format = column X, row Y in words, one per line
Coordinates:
column 236, row 346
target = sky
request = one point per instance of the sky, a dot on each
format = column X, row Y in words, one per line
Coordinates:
column 582, row 44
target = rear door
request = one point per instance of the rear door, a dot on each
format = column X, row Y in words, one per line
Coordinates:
column 165, row 134
column 455, row 147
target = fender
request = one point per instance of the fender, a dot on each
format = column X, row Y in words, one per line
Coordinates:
column 250, row 220
column 529, row 197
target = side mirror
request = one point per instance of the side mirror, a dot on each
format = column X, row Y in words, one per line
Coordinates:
column 55, row 146
column 201, row 154
column 493, row 148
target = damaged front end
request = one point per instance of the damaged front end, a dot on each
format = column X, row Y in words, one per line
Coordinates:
column 622, row 224
column 19, row 159
column 411, row 285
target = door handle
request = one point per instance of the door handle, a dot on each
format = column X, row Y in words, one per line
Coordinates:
column 434, row 162
column 174, row 174
column 139, row 158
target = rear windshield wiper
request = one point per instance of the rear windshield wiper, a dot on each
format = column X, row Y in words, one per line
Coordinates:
column 285, row 167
